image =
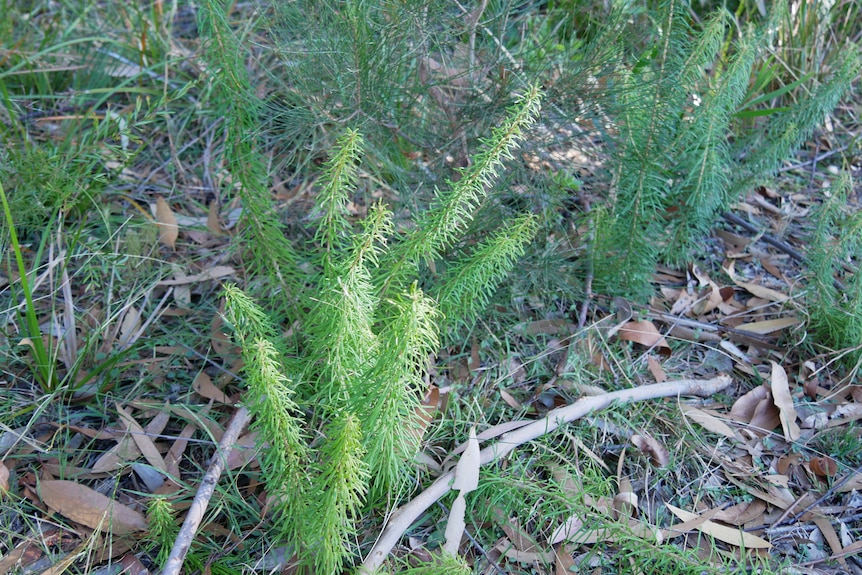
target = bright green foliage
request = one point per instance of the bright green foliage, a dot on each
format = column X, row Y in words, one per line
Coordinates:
column 408, row 337
column 162, row 527
column 43, row 370
column 364, row 344
column 443, row 564
column 452, row 209
column 269, row 398
column 836, row 314
column 337, row 495
column 465, row 286
column 339, row 177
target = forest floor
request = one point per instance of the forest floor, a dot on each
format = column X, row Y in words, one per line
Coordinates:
column 764, row 475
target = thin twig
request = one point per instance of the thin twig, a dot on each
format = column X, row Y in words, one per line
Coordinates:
column 767, row 238
column 205, row 491
column 406, row 515
column 814, row 160
column 829, row 493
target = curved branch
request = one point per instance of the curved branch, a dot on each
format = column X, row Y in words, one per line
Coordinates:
column 407, row 514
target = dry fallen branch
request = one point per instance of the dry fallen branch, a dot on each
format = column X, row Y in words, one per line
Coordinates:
column 407, row 514
column 205, row 491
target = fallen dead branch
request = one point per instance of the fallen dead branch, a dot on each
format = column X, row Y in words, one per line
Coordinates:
column 205, row 491
column 407, row 514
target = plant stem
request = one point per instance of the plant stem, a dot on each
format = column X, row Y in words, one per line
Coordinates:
column 43, row 372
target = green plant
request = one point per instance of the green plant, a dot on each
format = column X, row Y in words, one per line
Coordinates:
column 365, row 343
column 43, row 369
column 163, row 529
column 844, row 444
column 369, row 328
column 680, row 158
column 834, row 295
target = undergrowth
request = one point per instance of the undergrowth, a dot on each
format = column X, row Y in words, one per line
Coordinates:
column 424, row 118
column 365, row 346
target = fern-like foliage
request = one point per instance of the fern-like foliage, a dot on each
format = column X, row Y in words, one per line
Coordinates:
column 272, row 255
column 787, row 130
column 702, row 165
column 682, row 156
column 453, row 209
column 341, row 335
column 390, row 404
column 836, row 314
column 365, row 337
column 337, row 495
column 464, row 288
column 270, row 399
column 651, row 95
column 339, row 177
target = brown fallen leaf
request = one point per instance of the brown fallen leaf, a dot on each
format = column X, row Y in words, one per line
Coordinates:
column 504, row 546
column 784, row 402
column 132, row 565
column 830, row 536
column 823, row 466
column 521, row 540
column 656, row 369
column 711, row 299
column 124, row 451
column 142, row 440
column 213, row 224
column 657, row 452
column 646, row 334
column 768, row 326
column 766, row 416
column 243, row 451
column 130, row 327
column 708, row 421
column 4, row 478
column 169, row 231
column 755, row 289
column 90, row 508
column 19, row 557
column 213, row 273
column 425, row 412
column 568, row 530
column 729, row 535
column 743, row 408
column 741, row 513
column 565, row 563
column 510, row 399
column 204, row 387
column 127, row 449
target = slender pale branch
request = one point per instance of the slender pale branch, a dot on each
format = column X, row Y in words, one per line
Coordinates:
column 205, row 492
column 407, row 514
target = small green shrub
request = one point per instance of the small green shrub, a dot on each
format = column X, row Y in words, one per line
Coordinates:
column 684, row 153
column 834, row 297
column 367, row 329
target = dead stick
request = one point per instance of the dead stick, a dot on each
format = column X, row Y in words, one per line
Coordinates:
column 407, row 514
column 205, row 491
